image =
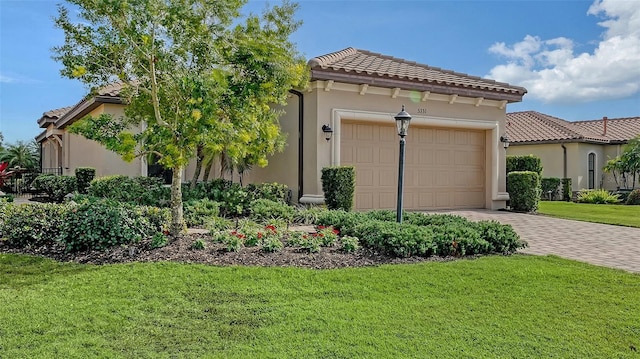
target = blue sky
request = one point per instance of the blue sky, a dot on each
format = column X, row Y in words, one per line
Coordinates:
column 578, row 59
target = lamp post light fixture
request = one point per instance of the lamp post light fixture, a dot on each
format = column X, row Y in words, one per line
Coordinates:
column 402, row 123
column 328, row 132
column 505, row 141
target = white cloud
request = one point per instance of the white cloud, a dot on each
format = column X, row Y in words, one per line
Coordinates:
column 553, row 73
column 16, row 79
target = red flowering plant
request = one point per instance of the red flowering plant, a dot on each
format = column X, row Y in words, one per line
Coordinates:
column 328, row 235
column 234, row 240
column 4, row 174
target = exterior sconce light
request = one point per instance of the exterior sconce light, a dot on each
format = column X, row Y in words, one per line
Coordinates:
column 505, row 141
column 402, row 122
column 328, row 132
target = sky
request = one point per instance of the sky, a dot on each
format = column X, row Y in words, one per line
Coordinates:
column 579, row 60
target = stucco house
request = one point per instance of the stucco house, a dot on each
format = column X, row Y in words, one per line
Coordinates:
column 577, row 150
column 454, row 157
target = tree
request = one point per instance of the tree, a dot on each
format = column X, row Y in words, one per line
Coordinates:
column 190, row 75
column 626, row 167
column 22, row 155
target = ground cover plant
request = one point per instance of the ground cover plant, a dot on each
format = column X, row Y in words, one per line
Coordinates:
column 617, row 214
column 490, row 307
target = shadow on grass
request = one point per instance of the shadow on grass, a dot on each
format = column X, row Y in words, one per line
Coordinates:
column 17, row 271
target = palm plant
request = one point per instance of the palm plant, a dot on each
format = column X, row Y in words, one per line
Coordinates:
column 22, row 155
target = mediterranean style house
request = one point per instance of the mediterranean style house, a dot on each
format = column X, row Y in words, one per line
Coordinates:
column 454, row 157
column 577, row 150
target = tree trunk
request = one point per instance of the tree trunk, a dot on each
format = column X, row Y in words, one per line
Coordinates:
column 177, row 220
column 196, row 173
column 207, row 169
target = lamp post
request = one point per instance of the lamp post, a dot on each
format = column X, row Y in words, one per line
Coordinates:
column 402, row 123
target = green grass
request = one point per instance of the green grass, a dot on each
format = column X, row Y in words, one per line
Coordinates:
column 492, row 307
column 617, row 214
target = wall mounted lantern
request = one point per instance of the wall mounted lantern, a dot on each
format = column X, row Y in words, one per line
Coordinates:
column 505, row 141
column 328, row 132
column 402, row 123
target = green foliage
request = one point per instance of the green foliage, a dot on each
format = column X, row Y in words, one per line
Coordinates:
column 341, row 220
column 271, row 191
column 234, row 201
column 84, row 176
column 271, row 243
column 104, row 224
column 263, row 210
column 309, row 215
column 197, row 212
column 524, row 190
column 634, row 197
column 566, row 189
column 338, row 185
column 234, row 240
column 452, row 240
column 22, row 155
column 502, row 238
column 550, row 187
column 310, row 243
column 349, row 244
column 198, row 244
column 597, row 196
column 195, row 72
column 159, row 240
column 6, row 198
column 524, row 163
column 149, row 191
column 217, row 224
column 328, row 235
column 56, row 187
column 626, row 167
column 32, row 224
column 402, row 240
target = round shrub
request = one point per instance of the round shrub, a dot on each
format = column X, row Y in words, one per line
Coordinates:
column 402, row 240
column 634, row 197
column 148, row 191
column 197, row 212
column 104, row 224
column 56, row 187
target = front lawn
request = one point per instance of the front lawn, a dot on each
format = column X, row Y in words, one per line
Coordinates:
column 617, row 214
column 491, row 307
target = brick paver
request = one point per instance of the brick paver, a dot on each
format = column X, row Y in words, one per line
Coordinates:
column 599, row 244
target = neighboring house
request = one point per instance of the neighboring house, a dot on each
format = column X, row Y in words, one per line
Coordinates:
column 577, row 150
column 454, row 158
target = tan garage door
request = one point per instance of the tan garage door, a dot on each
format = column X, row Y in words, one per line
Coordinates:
column 444, row 167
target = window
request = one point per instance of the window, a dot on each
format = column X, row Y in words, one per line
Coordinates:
column 592, row 170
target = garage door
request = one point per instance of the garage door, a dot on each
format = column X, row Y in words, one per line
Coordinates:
column 444, row 167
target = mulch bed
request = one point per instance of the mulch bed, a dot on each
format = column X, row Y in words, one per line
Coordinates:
column 179, row 250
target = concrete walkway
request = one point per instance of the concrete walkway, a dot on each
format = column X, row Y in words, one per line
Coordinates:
column 599, row 244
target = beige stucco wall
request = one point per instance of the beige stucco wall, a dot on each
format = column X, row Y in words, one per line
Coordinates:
column 551, row 156
column 81, row 152
column 321, row 105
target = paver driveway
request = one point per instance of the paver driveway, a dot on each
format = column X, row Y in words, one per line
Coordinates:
column 600, row 244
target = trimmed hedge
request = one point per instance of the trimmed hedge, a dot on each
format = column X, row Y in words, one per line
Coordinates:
column 550, row 185
column 147, row 191
column 339, row 185
column 56, row 187
column 566, row 189
column 524, row 190
column 263, row 210
column 32, row 224
column 524, row 163
column 84, row 176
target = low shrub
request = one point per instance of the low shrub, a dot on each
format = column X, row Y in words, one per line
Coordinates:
column 84, row 176
column 451, row 240
column 339, row 185
column 263, row 210
column 341, row 220
column 7, row 198
column 501, row 237
column 271, row 244
column 349, row 244
column 149, row 191
column 55, row 187
column 272, row 191
column 305, row 215
column 524, row 190
column 32, row 224
column 159, row 240
column 197, row 212
column 597, row 196
column 403, row 240
column 217, row 224
column 233, row 240
column 328, row 235
column 634, row 197
column 104, row 224
column 234, row 201
column 310, row 243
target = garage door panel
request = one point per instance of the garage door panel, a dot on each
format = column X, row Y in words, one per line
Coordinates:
column 444, row 168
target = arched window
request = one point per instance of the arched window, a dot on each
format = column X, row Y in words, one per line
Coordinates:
column 592, row 170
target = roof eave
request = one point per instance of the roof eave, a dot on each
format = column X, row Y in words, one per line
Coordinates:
column 321, row 74
column 560, row 141
column 83, row 108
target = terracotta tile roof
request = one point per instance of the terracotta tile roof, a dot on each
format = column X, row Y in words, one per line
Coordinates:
column 532, row 126
column 53, row 115
column 360, row 66
column 112, row 90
